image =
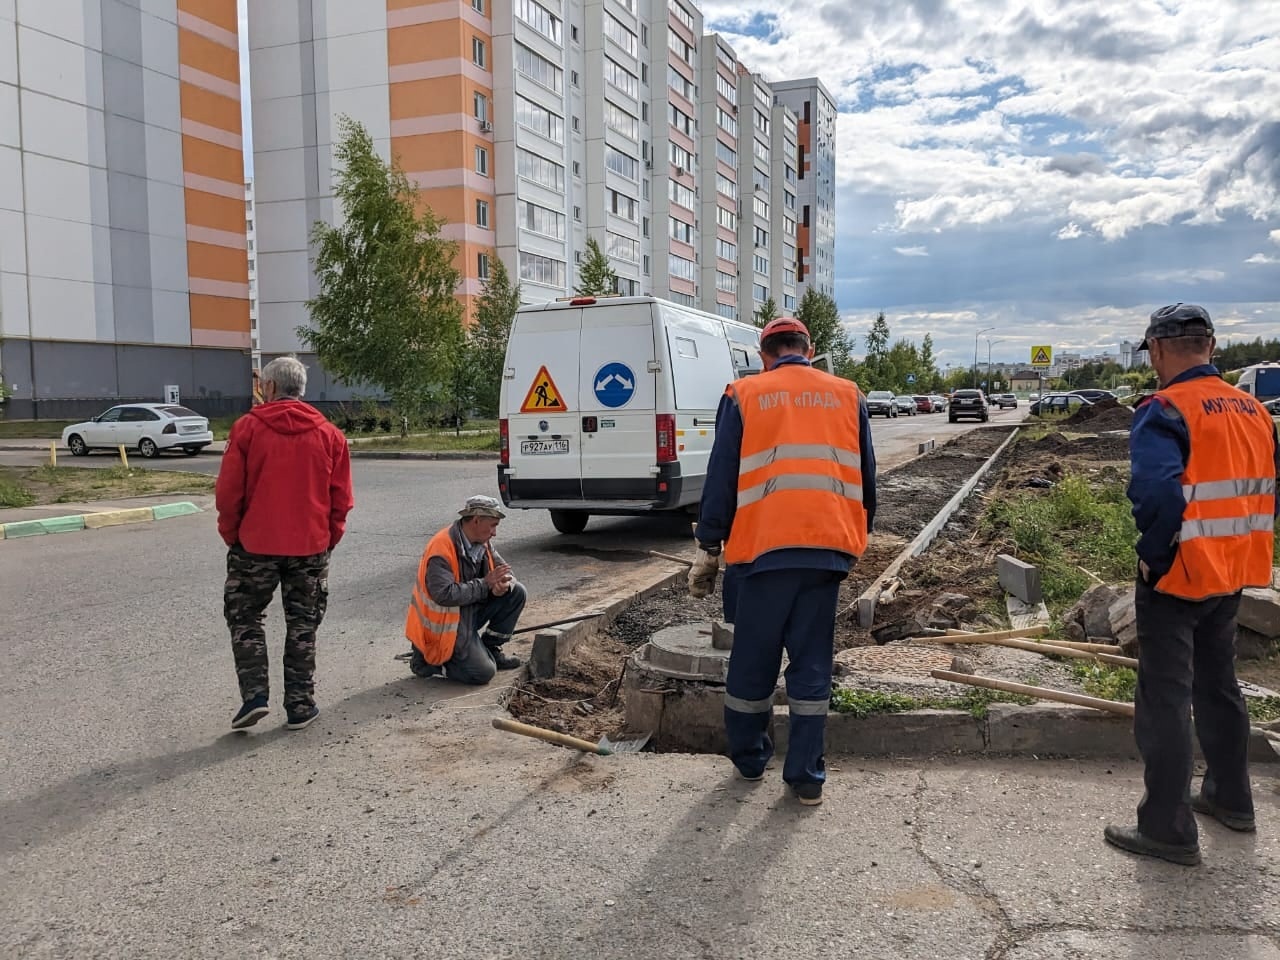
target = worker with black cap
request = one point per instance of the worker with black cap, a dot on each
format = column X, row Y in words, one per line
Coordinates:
column 1203, row 483
column 788, row 501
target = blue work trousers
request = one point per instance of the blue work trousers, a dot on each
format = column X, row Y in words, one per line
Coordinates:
column 793, row 610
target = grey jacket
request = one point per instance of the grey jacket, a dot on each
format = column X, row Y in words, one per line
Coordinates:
column 469, row 590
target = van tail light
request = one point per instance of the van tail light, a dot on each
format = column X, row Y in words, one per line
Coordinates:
column 666, row 429
column 170, row 428
column 504, row 436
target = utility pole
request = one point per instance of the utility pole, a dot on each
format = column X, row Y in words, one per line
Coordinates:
column 989, row 343
column 975, row 353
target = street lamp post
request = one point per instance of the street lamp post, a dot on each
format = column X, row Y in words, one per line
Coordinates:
column 989, row 343
column 975, row 353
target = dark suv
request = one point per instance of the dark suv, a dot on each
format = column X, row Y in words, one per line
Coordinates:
column 967, row 403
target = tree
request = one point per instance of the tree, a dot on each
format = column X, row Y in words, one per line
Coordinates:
column 386, row 314
column 495, row 309
column 768, row 310
column 877, row 358
column 595, row 277
column 819, row 313
column 928, row 373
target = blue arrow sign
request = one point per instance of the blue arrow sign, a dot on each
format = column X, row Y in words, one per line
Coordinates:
column 911, row 378
column 614, row 385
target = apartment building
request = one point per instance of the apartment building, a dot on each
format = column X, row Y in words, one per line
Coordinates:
column 122, row 220
column 815, row 111
column 531, row 126
column 251, row 234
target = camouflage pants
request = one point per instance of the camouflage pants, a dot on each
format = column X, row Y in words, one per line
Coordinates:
column 251, row 583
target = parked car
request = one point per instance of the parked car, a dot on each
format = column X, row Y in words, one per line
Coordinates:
column 1003, row 400
column 939, row 403
column 923, row 404
column 1093, row 394
column 149, row 428
column 1059, row 403
column 881, row 402
column 1273, row 407
column 968, row 403
column 906, row 405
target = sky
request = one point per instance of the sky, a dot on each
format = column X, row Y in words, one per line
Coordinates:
column 1052, row 170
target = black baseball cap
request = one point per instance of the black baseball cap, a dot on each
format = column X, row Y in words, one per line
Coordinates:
column 1177, row 320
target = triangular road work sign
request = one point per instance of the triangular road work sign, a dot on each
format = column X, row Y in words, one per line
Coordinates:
column 1041, row 356
column 543, row 396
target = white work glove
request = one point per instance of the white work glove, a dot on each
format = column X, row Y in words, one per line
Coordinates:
column 703, row 573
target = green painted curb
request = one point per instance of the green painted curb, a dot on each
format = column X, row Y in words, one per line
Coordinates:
column 38, row 528
column 183, row 508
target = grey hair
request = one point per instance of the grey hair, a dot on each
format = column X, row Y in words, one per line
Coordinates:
column 288, row 374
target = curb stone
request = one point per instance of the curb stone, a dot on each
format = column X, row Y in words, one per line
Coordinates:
column 19, row 529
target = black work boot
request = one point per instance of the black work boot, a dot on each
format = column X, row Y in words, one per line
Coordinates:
column 503, row 661
column 1132, row 839
column 1241, row 822
column 420, row 668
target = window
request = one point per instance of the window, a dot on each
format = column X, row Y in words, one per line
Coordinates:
column 788, row 302
column 680, row 157
column 725, row 153
column 477, row 52
column 482, row 161
column 682, row 121
column 644, row 35
column 137, row 415
column 726, row 250
column 760, row 265
column 681, row 14
column 480, row 106
column 645, row 187
column 620, row 205
column 621, row 163
column 679, row 194
column 573, row 77
column 684, row 299
column 540, row 170
column 681, row 231
column 543, row 270
column 482, row 266
column 617, row 119
column 761, row 180
column 761, row 237
column 789, row 174
column 762, row 121
column 482, row 213
column 574, row 34
column 541, row 19
column 577, row 214
column 682, row 268
column 726, row 218
column 759, row 292
column 536, row 219
column 726, row 186
column 620, row 77
column 726, row 282
column 677, row 82
column 615, row 31
column 729, row 312
column 622, row 248
column 726, row 122
column 726, row 89
column 644, row 74
column 725, row 57
column 788, row 253
column 761, row 207
column 763, row 98
column 577, row 125
column 577, row 169
column 788, row 200
column 539, row 119
column 625, row 287
column 677, row 45
column 644, row 230
column 538, row 68
column 761, row 150
column 645, row 264
column 788, row 227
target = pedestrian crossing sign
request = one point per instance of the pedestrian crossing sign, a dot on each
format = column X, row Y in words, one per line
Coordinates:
column 543, row 396
column 1042, row 356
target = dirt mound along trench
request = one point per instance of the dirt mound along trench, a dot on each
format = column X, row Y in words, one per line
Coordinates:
column 1106, row 414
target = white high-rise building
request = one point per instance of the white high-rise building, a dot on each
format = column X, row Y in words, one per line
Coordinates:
column 815, row 110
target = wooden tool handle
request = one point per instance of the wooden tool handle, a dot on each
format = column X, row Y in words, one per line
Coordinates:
column 560, row 739
column 1040, row 693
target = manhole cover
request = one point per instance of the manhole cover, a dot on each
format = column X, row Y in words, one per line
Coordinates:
column 685, row 651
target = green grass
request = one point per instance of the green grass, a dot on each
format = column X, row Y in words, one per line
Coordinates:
column 1073, row 525
column 26, row 486
column 864, row 703
column 1107, row 682
column 13, row 492
column 1263, row 709
column 442, row 441
column 33, row 429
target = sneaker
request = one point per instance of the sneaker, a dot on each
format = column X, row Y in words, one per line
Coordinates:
column 1241, row 822
column 420, row 668
column 503, row 661
column 251, row 711
column 1132, row 840
column 809, row 794
column 301, row 716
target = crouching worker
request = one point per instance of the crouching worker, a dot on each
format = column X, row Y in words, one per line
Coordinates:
column 465, row 601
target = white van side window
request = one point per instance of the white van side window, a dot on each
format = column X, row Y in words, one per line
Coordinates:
column 740, row 361
column 686, row 348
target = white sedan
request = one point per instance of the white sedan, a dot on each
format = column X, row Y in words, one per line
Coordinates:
column 148, row 428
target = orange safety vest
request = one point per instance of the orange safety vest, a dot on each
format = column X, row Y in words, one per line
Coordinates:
column 432, row 627
column 800, row 467
column 1229, row 484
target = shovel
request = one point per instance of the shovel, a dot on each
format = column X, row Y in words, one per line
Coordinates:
column 605, row 748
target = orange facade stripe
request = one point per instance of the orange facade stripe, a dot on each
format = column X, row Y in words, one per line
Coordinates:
column 219, row 313
column 431, row 41
column 212, row 160
column 215, row 212
column 439, row 151
column 209, row 262
column 428, row 98
column 407, row 4
column 205, row 106
column 221, row 13
column 205, row 55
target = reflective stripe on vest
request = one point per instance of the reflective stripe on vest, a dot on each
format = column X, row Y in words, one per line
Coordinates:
column 1226, row 526
column 799, row 451
column 1226, row 489
column 799, row 481
column 432, row 627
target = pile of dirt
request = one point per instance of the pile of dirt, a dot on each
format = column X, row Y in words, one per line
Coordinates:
column 1106, row 414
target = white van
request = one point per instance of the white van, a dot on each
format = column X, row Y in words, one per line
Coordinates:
column 1262, row 380
column 608, row 405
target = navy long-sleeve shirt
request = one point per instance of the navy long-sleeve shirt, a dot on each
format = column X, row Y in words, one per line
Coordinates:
column 1159, row 447
column 720, row 492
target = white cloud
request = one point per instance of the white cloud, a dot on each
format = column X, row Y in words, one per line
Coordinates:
column 912, row 251
column 1262, row 258
column 1071, row 231
column 1275, row 236
column 1182, row 276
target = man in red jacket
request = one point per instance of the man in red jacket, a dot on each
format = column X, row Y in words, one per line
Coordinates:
column 283, row 495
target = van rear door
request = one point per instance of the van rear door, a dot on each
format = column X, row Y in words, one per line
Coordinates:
column 542, row 405
column 617, row 402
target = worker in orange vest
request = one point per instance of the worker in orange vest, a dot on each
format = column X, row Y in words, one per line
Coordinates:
column 788, row 501
column 1203, row 483
column 466, row 603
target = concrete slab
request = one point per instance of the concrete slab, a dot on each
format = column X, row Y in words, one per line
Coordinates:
column 922, row 733
column 1019, row 578
column 1058, row 731
column 1260, row 611
column 1074, row 944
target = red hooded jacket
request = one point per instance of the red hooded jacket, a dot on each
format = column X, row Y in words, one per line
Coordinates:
column 284, row 488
